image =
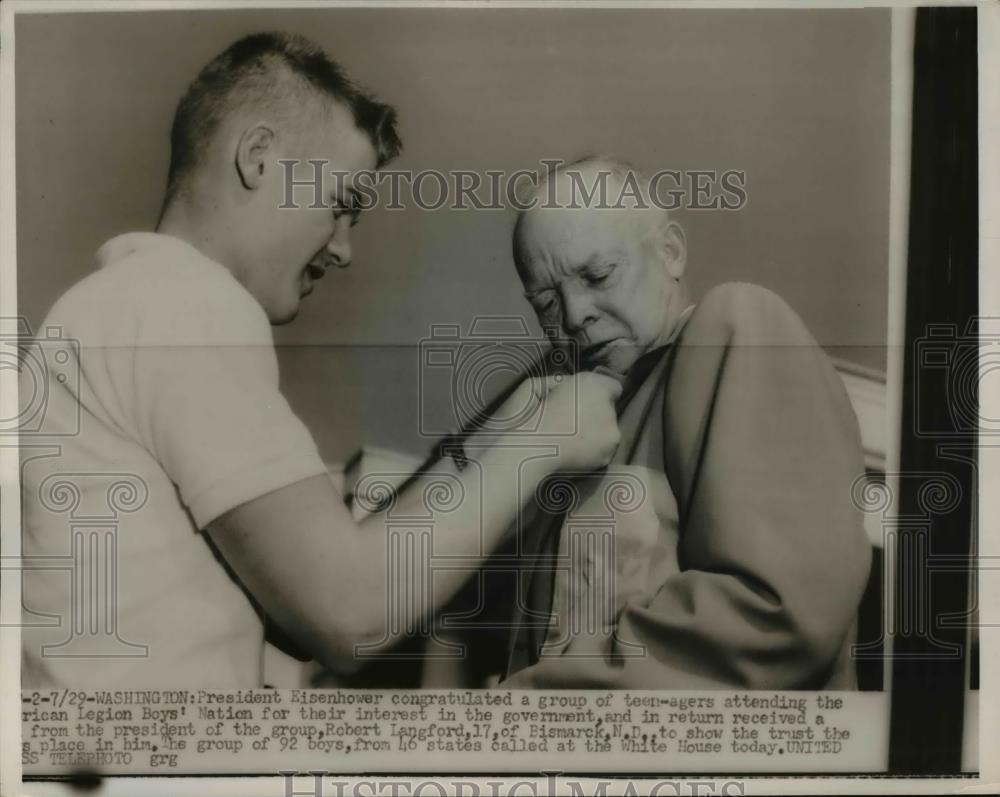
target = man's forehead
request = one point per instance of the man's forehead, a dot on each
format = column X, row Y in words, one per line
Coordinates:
column 574, row 230
column 547, row 254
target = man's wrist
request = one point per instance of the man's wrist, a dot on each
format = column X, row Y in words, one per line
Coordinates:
column 513, row 454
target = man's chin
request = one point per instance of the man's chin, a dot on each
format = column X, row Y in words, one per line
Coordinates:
column 284, row 315
column 620, row 360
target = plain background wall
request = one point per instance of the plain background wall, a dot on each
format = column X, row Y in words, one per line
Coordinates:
column 798, row 99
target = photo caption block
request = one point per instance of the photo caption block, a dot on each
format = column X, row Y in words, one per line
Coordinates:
column 262, row 731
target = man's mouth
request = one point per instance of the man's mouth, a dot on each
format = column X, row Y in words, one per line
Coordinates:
column 595, row 351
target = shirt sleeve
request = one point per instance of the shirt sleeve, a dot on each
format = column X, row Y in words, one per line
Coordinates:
column 761, row 450
column 207, row 401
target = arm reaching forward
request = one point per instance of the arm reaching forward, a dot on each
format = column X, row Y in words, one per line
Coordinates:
column 326, row 580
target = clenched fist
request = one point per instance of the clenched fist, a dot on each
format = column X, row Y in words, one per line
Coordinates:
column 574, row 413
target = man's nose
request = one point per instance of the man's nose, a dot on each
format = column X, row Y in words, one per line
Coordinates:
column 578, row 311
column 339, row 247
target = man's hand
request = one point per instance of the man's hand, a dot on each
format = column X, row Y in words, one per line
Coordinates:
column 328, row 582
column 577, row 416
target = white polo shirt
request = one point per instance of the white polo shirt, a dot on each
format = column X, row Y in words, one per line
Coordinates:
column 170, row 416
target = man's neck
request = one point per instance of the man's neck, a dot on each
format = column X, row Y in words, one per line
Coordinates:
column 676, row 312
column 637, row 375
column 181, row 219
column 644, row 366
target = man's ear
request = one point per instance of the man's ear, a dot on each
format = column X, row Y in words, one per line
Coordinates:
column 251, row 154
column 672, row 244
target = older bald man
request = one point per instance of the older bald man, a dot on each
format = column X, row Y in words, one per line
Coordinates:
column 745, row 563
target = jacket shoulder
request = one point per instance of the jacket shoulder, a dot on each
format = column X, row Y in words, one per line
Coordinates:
column 734, row 299
column 747, row 310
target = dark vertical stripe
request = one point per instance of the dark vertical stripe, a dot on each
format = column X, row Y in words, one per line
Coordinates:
column 939, row 398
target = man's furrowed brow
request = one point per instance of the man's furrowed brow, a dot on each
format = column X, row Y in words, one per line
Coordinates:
column 598, row 259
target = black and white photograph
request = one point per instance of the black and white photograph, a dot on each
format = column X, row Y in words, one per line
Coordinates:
column 413, row 397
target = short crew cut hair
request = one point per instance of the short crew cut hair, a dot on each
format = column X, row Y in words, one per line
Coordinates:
column 273, row 70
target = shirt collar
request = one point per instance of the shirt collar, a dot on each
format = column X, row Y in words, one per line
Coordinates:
column 645, row 365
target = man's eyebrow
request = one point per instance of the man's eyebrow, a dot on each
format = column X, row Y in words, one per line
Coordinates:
column 598, row 259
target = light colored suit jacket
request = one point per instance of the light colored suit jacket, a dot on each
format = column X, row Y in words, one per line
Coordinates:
column 744, row 562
